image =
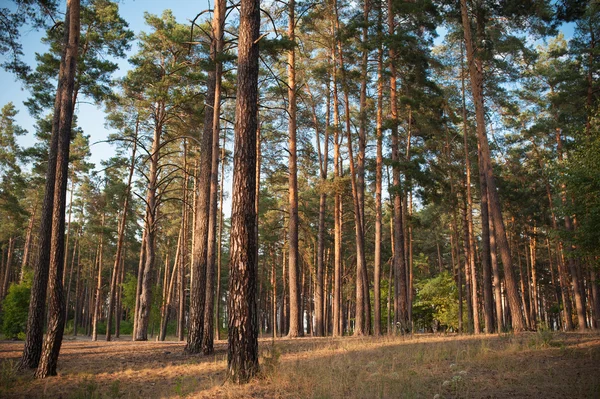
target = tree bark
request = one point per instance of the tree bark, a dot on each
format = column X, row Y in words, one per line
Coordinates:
column 378, row 182
column 242, row 353
column 476, row 74
column 399, row 262
column 121, row 237
column 98, row 300
column 56, row 305
column 145, row 297
column 293, row 268
column 216, row 49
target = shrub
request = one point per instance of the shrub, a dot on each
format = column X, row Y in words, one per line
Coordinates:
column 14, row 310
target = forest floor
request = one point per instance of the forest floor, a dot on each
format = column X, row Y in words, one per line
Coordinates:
column 528, row 365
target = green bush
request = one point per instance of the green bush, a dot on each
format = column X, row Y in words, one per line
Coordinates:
column 14, row 310
column 436, row 299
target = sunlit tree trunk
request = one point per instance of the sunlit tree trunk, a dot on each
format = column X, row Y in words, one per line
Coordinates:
column 242, row 353
column 121, row 237
column 399, row 262
column 216, row 49
column 56, row 304
column 145, row 297
column 476, row 75
column 98, row 297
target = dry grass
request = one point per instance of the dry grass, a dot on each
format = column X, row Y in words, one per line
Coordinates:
column 531, row 365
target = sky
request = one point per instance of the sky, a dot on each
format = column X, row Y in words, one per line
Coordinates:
column 90, row 116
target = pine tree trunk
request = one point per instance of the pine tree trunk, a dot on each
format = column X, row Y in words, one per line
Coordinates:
column 378, row 183
column 68, row 290
column 293, row 268
column 27, row 245
column 216, row 49
column 184, row 248
column 497, row 283
column 476, row 74
column 219, row 245
column 32, row 350
column 121, row 237
column 145, row 297
column 138, row 289
column 201, row 224
column 323, row 166
column 337, row 211
column 399, row 262
column 98, row 300
column 56, row 304
column 358, row 224
column 76, row 317
column 242, row 353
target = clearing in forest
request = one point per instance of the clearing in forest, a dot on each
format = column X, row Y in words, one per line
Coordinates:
column 529, row 365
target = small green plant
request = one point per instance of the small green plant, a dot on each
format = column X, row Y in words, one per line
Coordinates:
column 543, row 338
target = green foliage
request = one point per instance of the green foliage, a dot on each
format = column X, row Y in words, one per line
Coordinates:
column 583, row 181
column 15, row 308
column 104, row 34
column 129, row 291
column 436, row 299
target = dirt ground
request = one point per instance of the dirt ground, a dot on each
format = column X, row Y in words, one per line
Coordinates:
column 532, row 365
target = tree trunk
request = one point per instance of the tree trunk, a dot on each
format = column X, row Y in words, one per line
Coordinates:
column 121, row 237
column 27, row 245
column 496, row 274
column 219, row 245
column 32, row 350
column 378, row 182
column 98, row 301
column 476, row 74
column 399, row 262
column 323, row 166
column 216, row 49
column 138, row 287
column 293, row 268
column 145, row 298
column 56, row 305
column 242, row 353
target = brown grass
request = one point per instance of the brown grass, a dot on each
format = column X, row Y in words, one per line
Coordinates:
column 531, row 365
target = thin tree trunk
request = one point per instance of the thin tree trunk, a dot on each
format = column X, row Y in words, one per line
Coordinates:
column 220, row 246
column 323, row 166
column 170, row 283
column 400, row 297
column 68, row 290
column 378, row 182
column 98, row 302
column 216, row 49
column 27, row 245
column 184, row 248
column 358, row 224
column 337, row 212
column 121, row 236
column 138, row 289
column 496, row 274
column 64, row 277
column 476, row 74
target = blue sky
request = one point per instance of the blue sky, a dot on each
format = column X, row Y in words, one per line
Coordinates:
column 90, row 117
